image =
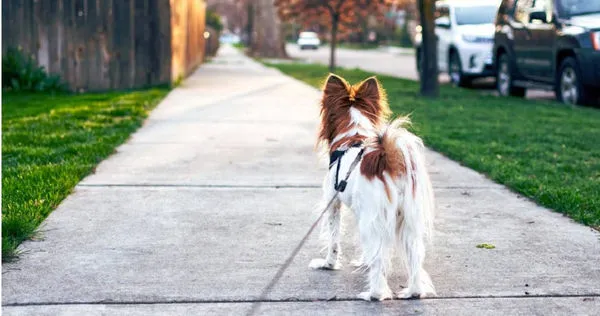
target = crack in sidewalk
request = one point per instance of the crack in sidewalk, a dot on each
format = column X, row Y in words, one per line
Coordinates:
column 295, row 300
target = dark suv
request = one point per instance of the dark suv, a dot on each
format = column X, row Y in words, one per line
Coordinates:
column 549, row 44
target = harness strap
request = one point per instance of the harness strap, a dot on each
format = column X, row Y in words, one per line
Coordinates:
column 341, row 186
column 337, row 173
column 337, row 154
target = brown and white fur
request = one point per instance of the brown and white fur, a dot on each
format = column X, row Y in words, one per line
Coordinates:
column 389, row 191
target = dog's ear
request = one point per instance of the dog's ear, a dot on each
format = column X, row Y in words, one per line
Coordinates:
column 335, row 84
column 369, row 89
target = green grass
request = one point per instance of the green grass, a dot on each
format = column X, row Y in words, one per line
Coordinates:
column 349, row 45
column 541, row 149
column 49, row 143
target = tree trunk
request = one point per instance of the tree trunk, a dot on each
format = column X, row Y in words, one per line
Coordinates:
column 267, row 38
column 335, row 18
column 250, row 25
column 429, row 69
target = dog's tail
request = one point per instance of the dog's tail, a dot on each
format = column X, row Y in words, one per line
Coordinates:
column 418, row 203
column 415, row 207
column 400, row 154
column 397, row 158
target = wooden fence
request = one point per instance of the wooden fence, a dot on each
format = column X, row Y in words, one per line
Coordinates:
column 97, row 45
column 188, row 25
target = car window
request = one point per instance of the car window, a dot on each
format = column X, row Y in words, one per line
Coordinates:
column 525, row 7
column 568, row 8
column 522, row 10
column 475, row 14
column 542, row 5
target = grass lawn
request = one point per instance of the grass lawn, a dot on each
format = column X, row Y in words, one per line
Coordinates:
column 49, row 143
column 239, row 45
column 357, row 45
column 541, row 149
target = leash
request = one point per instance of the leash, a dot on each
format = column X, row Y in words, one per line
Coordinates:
column 289, row 260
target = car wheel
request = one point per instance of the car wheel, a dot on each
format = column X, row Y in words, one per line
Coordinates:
column 504, row 82
column 457, row 77
column 569, row 89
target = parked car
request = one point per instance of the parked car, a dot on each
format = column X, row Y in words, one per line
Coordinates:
column 465, row 33
column 549, row 44
column 308, row 40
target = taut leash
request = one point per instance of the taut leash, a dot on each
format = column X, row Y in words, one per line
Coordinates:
column 289, row 260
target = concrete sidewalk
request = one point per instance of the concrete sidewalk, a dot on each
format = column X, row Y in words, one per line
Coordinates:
column 195, row 214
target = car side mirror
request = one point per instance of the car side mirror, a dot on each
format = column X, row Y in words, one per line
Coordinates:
column 538, row 16
column 442, row 22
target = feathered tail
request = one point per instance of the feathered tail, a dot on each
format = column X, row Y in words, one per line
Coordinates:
column 404, row 155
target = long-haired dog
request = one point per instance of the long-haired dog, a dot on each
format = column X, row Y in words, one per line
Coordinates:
column 389, row 191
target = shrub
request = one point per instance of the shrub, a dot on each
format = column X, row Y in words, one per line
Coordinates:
column 212, row 43
column 214, row 20
column 20, row 72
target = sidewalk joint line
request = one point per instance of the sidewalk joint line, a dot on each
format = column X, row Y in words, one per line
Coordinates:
column 250, row 186
column 292, row 300
column 207, row 186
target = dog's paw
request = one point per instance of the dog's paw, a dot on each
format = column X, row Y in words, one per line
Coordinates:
column 322, row 264
column 369, row 296
column 408, row 293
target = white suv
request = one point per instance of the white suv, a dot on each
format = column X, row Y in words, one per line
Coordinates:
column 308, row 40
column 465, row 33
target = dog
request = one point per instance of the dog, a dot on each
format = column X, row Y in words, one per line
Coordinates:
column 389, row 190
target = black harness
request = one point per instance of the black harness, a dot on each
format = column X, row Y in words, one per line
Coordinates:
column 336, row 156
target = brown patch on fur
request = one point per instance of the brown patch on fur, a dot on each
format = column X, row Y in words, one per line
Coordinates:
column 385, row 157
column 335, row 108
column 371, row 100
column 339, row 96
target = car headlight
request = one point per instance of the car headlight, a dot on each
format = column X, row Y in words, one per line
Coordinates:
column 595, row 40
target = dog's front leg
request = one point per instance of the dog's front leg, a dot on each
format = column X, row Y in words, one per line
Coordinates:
column 333, row 223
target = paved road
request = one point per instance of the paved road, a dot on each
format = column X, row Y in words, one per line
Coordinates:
column 375, row 60
column 195, row 214
column 393, row 62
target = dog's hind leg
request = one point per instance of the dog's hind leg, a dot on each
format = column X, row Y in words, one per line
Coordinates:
column 333, row 223
column 413, row 247
column 375, row 253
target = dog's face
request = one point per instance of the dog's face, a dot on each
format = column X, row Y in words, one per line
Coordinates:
column 339, row 97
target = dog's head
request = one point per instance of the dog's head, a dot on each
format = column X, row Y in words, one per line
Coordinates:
column 339, row 97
